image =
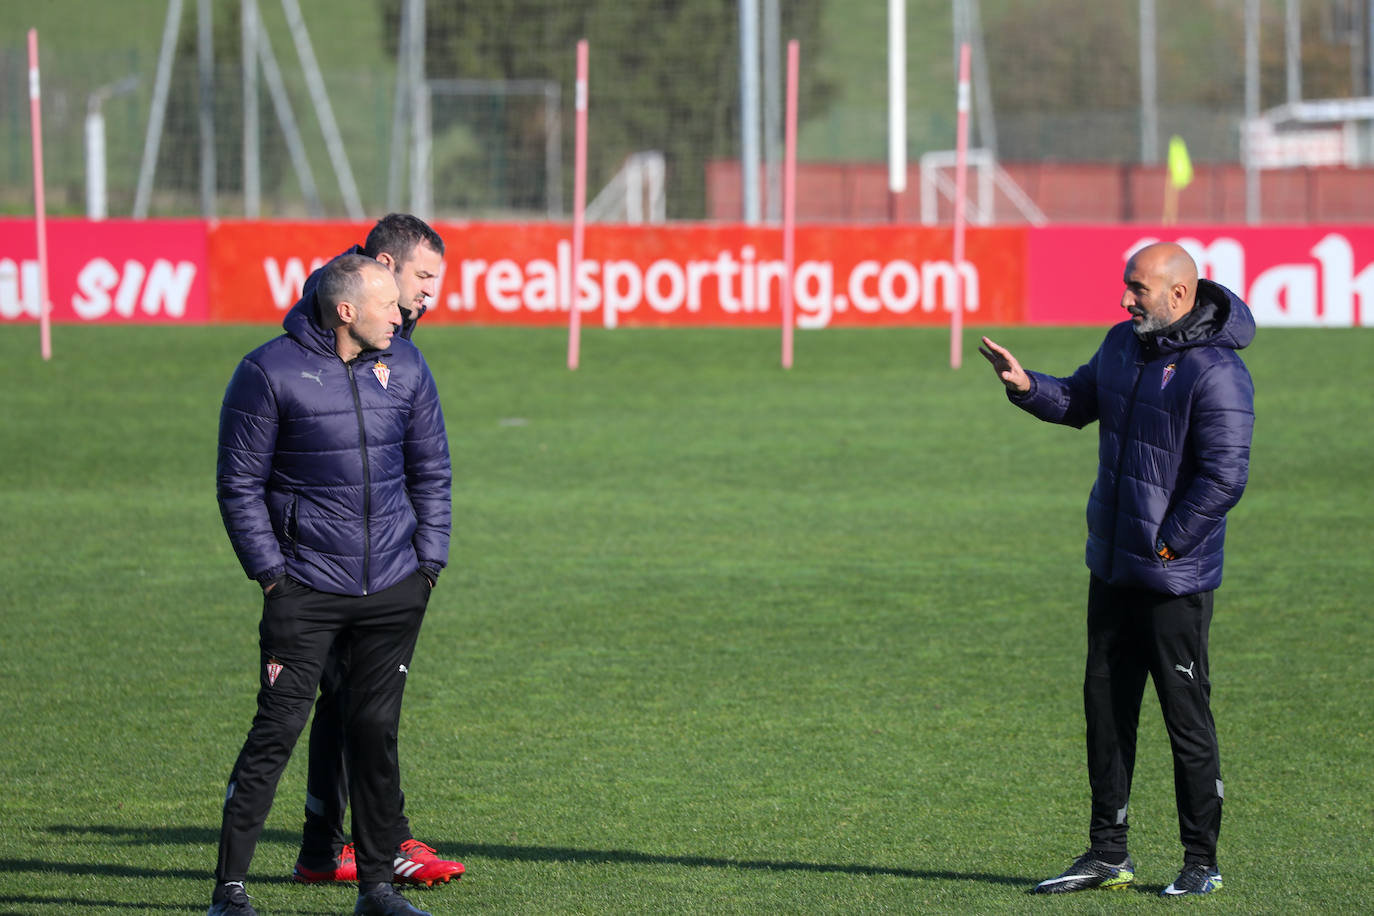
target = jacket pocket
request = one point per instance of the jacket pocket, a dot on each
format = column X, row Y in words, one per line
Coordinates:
column 288, row 527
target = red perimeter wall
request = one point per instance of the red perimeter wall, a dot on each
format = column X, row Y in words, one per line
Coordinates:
column 1073, row 193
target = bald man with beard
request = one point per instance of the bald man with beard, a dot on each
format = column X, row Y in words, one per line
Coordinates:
column 1174, row 405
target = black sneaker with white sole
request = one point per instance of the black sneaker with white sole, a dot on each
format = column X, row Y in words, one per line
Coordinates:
column 1089, row 871
column 231, row 900
column 385, row 900
column 1194, row 879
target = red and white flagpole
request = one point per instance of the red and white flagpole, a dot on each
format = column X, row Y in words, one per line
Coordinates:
column 956, row 316
column 579, row 206
column 789, row 203
column 40, row 208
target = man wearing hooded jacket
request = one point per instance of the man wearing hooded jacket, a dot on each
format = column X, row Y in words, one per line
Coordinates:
column 334, row 484
column 1174, row 405
column 413, row 252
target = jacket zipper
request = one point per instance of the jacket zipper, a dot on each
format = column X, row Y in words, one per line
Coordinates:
column 367, row 478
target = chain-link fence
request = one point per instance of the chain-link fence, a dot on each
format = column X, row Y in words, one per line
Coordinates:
column 1055, row 81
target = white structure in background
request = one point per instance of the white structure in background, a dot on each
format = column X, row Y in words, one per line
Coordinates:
column 988, row 179
column 635, row 194
column 1312, row 133
column 97, row 201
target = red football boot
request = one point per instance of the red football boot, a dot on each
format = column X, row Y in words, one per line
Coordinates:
column 344, row 870
column 417, row 864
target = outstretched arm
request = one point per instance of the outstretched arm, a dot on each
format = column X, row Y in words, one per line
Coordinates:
column 1068, row 401
column 1006, row 367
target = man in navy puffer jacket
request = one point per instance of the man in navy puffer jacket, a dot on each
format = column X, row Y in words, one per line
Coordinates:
column 334, row 486
column 1174, row 405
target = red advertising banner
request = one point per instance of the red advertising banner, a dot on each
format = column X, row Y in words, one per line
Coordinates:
column 187, row 271
column 520, row 273
column 257, row 269
column 120, row 271
column 1300, row 276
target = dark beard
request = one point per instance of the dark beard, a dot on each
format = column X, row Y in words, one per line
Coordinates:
column 1147, row 327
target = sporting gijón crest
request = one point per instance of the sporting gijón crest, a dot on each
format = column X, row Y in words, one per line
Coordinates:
column 274, row 670
column 382, row 371
column 1163, row 379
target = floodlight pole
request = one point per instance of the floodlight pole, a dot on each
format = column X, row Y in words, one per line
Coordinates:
column 333, row 140
column 772, row 111
column 252, row 121
column 1252, row 105
column 161, row 83
column 205, row 63
column 421, row 118
column 1292, row 48
column 1149, row 85
column 405, row 55
column 286, row 119
column 749, row 108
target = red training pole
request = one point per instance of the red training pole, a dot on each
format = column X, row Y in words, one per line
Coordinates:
column 789, row 203
column 956, row 317
column 579, row 206
column 39, row 207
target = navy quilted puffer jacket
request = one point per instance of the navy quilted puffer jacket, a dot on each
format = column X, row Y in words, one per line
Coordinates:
column 1175, row 414
column 334, row 473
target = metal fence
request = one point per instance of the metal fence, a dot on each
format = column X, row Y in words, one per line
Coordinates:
column 322, row 120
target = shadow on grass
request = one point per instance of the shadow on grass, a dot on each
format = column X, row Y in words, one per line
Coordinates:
column 621, row 856
column 123, row 838
column 206, row 836
column 141, row 836
column 25, row 901
column 26, row 904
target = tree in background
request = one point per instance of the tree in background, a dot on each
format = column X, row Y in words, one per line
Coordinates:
column 1065, row 74
column 664, row 76
column 178, row 161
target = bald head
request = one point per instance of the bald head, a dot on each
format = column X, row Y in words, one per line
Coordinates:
column 1168, row 261
column 1161, row 286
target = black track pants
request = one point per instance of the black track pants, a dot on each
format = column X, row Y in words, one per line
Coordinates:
column 1133, row 633
column 326, row 799
column 299, row 626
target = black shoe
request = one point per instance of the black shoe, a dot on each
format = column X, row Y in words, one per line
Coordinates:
column 385, row 900
column 231, row 900
column 1089, row 871
column 1194, row 879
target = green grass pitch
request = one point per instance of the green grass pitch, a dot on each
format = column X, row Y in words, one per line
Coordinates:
column 715, row 637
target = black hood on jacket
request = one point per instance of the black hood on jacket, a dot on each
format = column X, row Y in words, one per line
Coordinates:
column 409, row 317
column 303, row 320
column 1218, row 319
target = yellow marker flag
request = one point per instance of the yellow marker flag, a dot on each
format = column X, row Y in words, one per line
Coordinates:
column 1180, row 167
